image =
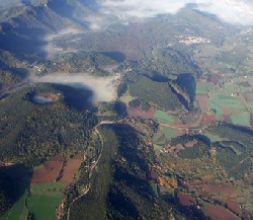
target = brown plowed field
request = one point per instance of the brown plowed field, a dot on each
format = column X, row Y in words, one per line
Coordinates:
column 70, row 170
column 234, row 207
column 216, row 212
column 208, row 118
column 186, row 200
column 203, row 102
column 222, row 190
column 48, row 172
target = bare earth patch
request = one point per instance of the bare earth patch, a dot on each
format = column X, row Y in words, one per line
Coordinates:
column 216, row 212
column 186, row 200
column 234, row 207
column 70, row 170
column 48, row 172
column 208, row 118
column 203, row 102
column 224, row 191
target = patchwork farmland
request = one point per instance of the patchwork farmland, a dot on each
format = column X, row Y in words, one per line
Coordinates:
column 229, row 101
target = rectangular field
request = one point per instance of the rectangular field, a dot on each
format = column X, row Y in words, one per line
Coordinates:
column 43, row 206
column 44, row 200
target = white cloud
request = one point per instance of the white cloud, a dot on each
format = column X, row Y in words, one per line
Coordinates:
column 231, row 11
column 141, row 8
column 104, row 88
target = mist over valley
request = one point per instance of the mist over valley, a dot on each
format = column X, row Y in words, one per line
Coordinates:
column 126, row 109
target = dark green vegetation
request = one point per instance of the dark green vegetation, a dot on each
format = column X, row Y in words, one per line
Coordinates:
column 10, row 75
column 111, row 111
column 168, row 94
column 168, row 61
column 187, row 83
column 13, row 182
column 135, row 103
column 92, row 62
column 79, row 99
column 160, row 68
column 150, row 91
column 198, row 150
column 7, row 78
column 32, row 133
column 194, row 153
column 235, row 153
column 120, row 188
column 93, row 204
column 130, row 179
column 5, row 193
column 122, row 88
column 233, row 149
column 86, row 183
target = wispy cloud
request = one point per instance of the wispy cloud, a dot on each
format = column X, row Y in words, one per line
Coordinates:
column 52, row 49
column 126, row 9
column 231, row 11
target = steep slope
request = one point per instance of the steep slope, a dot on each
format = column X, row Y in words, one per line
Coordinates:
column 24, row 34
column 25, row 25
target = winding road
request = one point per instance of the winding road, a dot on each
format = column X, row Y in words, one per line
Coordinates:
column 92, row 168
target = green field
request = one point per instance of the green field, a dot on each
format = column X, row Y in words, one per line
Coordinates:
column 242, row 119
column 216, row 107
column 44, row 200
column 163, row 117
column 230, row 102
column 219, row 100
column 43, row 207
column 226, row 101
column 163, row 135
column 55, row 189
column 170, row 133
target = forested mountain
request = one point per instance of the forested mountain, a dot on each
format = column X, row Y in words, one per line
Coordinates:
column 126, row 109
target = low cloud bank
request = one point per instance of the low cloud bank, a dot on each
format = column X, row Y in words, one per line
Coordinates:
column 238, row 12
column 231, row 11
column 104, row 88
